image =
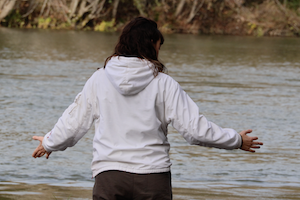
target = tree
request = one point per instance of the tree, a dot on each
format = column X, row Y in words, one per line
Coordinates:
column 6, row 6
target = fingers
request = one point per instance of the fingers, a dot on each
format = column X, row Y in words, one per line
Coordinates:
column 38, row 153
column 41, row 153
column 251, row 150
column 249, row 143
column 252, row 146
column 39, row 138
column 259, row 143
column 34, row 153
column 254, row 138
column 247, row 131
column 48, row 154
column 255, row 145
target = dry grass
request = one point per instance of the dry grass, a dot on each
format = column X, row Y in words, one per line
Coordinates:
column 269, row 19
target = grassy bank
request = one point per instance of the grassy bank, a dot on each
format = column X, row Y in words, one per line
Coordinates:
column 225, row 17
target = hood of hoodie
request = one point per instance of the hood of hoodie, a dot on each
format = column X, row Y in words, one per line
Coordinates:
column 129, row 75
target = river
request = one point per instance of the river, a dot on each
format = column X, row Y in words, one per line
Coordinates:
column 237, row 82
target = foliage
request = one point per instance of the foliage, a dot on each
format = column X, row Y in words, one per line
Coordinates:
column 44, row 22
column 235, row 17
column 292, row 4
column 106, row 26
column 14, row 19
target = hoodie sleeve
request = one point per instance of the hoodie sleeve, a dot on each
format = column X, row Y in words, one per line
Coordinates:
column 183, row 113
column 74, row 122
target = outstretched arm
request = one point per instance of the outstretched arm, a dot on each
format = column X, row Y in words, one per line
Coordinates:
column 183, row 113
column 40, row 150
column 73, row 124
column 248, row 142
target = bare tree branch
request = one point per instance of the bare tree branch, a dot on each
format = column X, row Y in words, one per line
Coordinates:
column 73, row 7
column 43, row 7
column 7, row 6
column 100, row 8
column 115, row 8
column 32, row 6
column 194, row 10
column 65, row 10
column 179, row 7
column 63, row 6
column 281, row 7
column 2, row 2
column 93, row 7
column 49, row 5
column 82, row 9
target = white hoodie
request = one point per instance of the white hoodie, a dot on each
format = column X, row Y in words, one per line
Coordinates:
column 132, row 109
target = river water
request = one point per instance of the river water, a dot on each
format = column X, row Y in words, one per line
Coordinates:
column 238, row 82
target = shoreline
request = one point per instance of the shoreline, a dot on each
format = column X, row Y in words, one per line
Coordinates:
column 25, row 191
column 117, row 32
column 264, row 18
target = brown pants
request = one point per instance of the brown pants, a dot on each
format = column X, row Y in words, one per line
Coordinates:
column 119, row 185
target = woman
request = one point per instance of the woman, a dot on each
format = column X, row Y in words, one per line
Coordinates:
column 131, row 101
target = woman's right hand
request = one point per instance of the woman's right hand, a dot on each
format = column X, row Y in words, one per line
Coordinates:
column 248, row 142
column 40, row 151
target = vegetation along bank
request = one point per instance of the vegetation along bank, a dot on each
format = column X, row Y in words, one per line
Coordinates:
column 222, row 17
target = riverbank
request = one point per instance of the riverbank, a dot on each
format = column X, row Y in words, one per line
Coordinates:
column 228, row 17
column 23, row 191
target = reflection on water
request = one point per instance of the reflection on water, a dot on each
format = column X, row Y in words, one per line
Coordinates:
column 238, row 82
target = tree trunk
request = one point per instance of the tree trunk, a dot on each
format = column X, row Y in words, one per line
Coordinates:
column 100, row 8
column 43, row 7
column 93, row 9
column 115, row 9
column 32, row 5
column 194, row 10
column 82, row 9
column 7, row 6
column 73, row 7
column 179, row 7
column 2, row 2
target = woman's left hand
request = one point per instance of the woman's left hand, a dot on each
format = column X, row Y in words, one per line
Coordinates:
column 248, row 142
column 40, row 151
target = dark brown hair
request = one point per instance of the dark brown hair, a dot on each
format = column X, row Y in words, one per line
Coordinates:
column 138, row 39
